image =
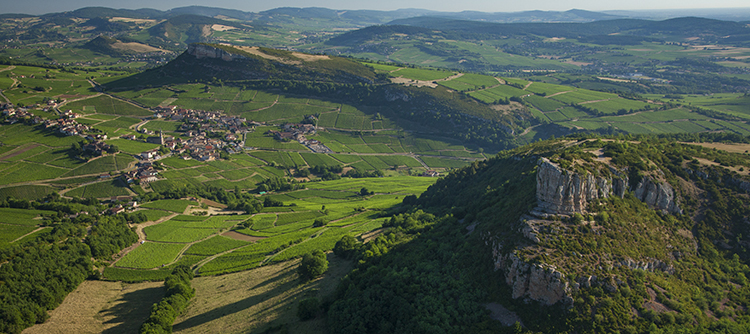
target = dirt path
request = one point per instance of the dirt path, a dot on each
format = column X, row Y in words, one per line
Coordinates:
column 242, row 237
column 272, row 104
column 18, row 151
column 594, row 101
column 137, row 126
column 527, row 130
column 420, row 161
column 455, row 76
column 501, row 81
column 11, row 67
column 527, row 85
column 32, row 232
column 79, row 99
column 141, row 236
column 567, row 91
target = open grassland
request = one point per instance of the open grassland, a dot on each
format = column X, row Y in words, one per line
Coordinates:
column 102, row 307
column 255, row 300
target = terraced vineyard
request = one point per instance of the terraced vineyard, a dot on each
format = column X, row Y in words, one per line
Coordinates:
column 227, row 243
column 583, row 109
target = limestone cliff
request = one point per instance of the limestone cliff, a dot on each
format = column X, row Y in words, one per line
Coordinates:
column 201, row 51
column 658, row 195
column 561, row 191
column 539, row 282
column 564, row 192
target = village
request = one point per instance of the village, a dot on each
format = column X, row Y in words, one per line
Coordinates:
column 209, row 135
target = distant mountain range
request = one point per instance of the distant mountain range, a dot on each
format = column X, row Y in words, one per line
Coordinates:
column 369, row 17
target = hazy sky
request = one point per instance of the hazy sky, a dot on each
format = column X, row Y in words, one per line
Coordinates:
column 48, row 6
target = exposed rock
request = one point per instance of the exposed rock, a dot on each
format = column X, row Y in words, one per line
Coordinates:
column 538, row 282
column 651, row 265
column 561, row 191
column 205, row 51
column 658, row 195
column 564, row 192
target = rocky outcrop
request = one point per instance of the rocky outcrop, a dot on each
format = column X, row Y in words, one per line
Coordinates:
column 658, row 195
column 561, row 191
column 539, row 282
column 648, row 265
column 201, row 51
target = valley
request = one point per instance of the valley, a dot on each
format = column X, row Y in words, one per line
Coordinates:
column 185, row 170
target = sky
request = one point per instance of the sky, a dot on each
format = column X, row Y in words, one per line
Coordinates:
column 50, row 6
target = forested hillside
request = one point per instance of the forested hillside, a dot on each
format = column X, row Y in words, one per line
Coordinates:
column 620, row 262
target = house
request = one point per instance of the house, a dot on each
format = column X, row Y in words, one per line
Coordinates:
column 115, row 210
column 431, row 173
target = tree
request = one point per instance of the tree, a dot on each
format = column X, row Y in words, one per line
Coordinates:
column 313, row 265
column 319, row 222
column 346, row 247
column 308, row 309
column 364, row 192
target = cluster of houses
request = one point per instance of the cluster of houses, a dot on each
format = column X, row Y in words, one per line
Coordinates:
column 96, row 147
column 297, row 133
column 144, row 173
column 13, row 115
column 67, row 124
column 202, row 148
column 205, row 120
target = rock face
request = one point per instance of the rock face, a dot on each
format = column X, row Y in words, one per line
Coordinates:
column 538, row 282
column 204, row 51
column 559, row 191
column 658, row 195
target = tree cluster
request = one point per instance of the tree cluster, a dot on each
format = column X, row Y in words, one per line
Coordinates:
column 178, row 295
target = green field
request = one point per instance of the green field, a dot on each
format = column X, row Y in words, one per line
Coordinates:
column 174, row 205
column 469, row 82
column 493, row 95
column 544, row 104
column 150, row 255
column 421, row 74
column 103, row 189
column 106, row 105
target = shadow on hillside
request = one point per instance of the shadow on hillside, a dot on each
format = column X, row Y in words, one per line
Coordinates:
column 132, row 310
column 245, row 303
